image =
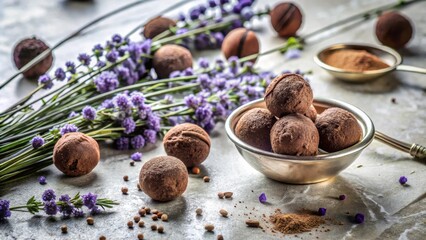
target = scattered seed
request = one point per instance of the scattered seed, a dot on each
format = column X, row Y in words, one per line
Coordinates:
column 136, row 219
column 90, row 220
column 130, row 224
column 154, row 217
column 142, row 212
column 252, row 223
column 154, row 211
column 164, row 218
column 220, row 195
column 209, row 227
column 153, row 227
column 228, row 194
column 220, row 237
column 126, row 178
column 132, row 163
column 148, row 210
column 199, row 211
column 124, row 190
column 196, row 170
column 64, row 229
column 159, row 214
column 160, row 229
column 223, row 212
column 141, row 223
column 140, row 236
column 102, row 237
column 206, row 179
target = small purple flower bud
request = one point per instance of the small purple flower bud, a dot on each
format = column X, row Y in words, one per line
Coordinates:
column 359, row 218
column 48, row 195
column 42, row 180
column 89, row 113
column 45, row 81
column 342, row 197
column 403, row 180
column 70, row 67
column 262, row 198
column 322, row 211
column 50, row 207
column 67, row 128
column 137, row 156
column 84, row 59
column 60, row 74
column 37, row 142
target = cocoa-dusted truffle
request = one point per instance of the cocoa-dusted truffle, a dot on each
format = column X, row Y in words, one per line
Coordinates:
column 311, row 113
column 156, row 26
column 394, row 30
column 188, row 142
column 288, row 93
column 171, row 58
column 286, row 19
column 76, row 154
column 26, row 50
column 163, row 178
column 338, row 129
column 254, row 128
column 240, row 42
column 295, row 134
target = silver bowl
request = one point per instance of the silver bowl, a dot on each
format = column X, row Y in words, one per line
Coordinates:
column 301, row 169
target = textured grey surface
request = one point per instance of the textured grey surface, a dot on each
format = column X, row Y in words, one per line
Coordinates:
column 392, row 211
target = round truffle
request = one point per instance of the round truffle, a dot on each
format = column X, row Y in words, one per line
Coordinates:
column 26, row 50
column 156, row 26
column 171, row 58
column 295, row 134
column 254, row 128
column 163, row 178
column 394, row 30
column 311, row 113
column 240, row 42
column 286, row 19
column 288, row 93
column 338, row 129
column 76, row 154
column 187, row 142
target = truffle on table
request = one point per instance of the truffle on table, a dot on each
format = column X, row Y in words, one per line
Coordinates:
column 254, row 128
column 295, row 134
column 338, row 129
column 76, row 154
column 26, row 50
column 394, row 30
column 240, row 42
column 163, row 178
column 286, row 19
column 170, row 58
column 157, row 26
column 311, row 113
column 187, row 142
column 288, row 93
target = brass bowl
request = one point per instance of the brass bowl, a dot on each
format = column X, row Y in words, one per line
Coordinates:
column 301, row 169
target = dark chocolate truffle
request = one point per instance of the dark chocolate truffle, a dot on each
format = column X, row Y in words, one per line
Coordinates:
column 76, row 154
column 295, row 134
column 240, row 42
column 156, row 26
column 188, row 142
column 394, row 30
column 26, row 50
column 338, row 129
column 288, row 93
column 254, row 128
column 163, row 178
column 311, row 113
column 286, row 19
column 171, row 58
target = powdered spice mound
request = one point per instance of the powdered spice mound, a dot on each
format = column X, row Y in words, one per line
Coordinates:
column 295, row 223
column 354, row 60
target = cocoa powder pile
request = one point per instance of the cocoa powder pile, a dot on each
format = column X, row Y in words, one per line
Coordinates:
column 354, row 60
column 295, row 223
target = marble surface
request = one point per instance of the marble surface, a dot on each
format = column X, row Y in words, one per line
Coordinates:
column 371, row 184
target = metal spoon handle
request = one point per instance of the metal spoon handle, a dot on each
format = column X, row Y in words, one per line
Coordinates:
column 415, row 150
column 407, row 68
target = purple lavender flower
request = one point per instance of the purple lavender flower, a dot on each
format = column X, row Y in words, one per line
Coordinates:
column 181, row 17
column 137, row 142
column 107, row 104
column 64, row 198
column 359, row 218
column 48, row 195
column 194, row 14
column 292, row 53
column 37, row 142
column 45, row 81
column 72, row 114
column 100, row 64
column 222, row 2
column 137, row 98
column 70, row 67
column 89, row 113
column 262, row 198
column 42, row 180
column 4, row 209
column 122, row 143
column 60, row 74
column 129, row 125
column 403, row 180
column 84, row 59
column 50, row 207
column 77, row 212
column 106, row 81
column 144, row 111
column 150, row 136
column 192, row 101
column 98, row 50
column 146, row 46
column 123, row 102
column 89, row 200
column 135, row 51
column 66, row 208
column 137, row 156
column 67, row 128
column 95, row 210
column 247, row 13
column 202, row 9
column 203, row 63
column 204, row 80
column 212, row 3
column 218, row 37
column 237, row 8
column 322, row 211
column 112, row 56
column 236, row 24
column 122, row 51
column 204, row 114
column 117, row 38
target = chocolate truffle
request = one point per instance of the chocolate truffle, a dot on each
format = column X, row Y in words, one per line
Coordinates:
column 338, row 129
column 286, row 19
column 240, row 42
column 163, row 178
column 311, row 113
column 156, row 26
column 188, row 142
column 394, row 30
column 76, row 154
column 171, row 58
column 295, row 134
column 254, row 128
column 26, row 50
column 288, row 93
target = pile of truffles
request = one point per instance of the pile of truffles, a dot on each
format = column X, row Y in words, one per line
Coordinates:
column 290, row 124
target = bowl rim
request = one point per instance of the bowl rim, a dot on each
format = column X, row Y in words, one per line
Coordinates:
column 337, row 46
column 359, row 114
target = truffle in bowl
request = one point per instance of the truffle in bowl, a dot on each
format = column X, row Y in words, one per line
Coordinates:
column 301, row 169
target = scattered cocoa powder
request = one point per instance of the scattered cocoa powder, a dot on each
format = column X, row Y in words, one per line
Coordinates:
column 295, row 223
column 354, row 60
